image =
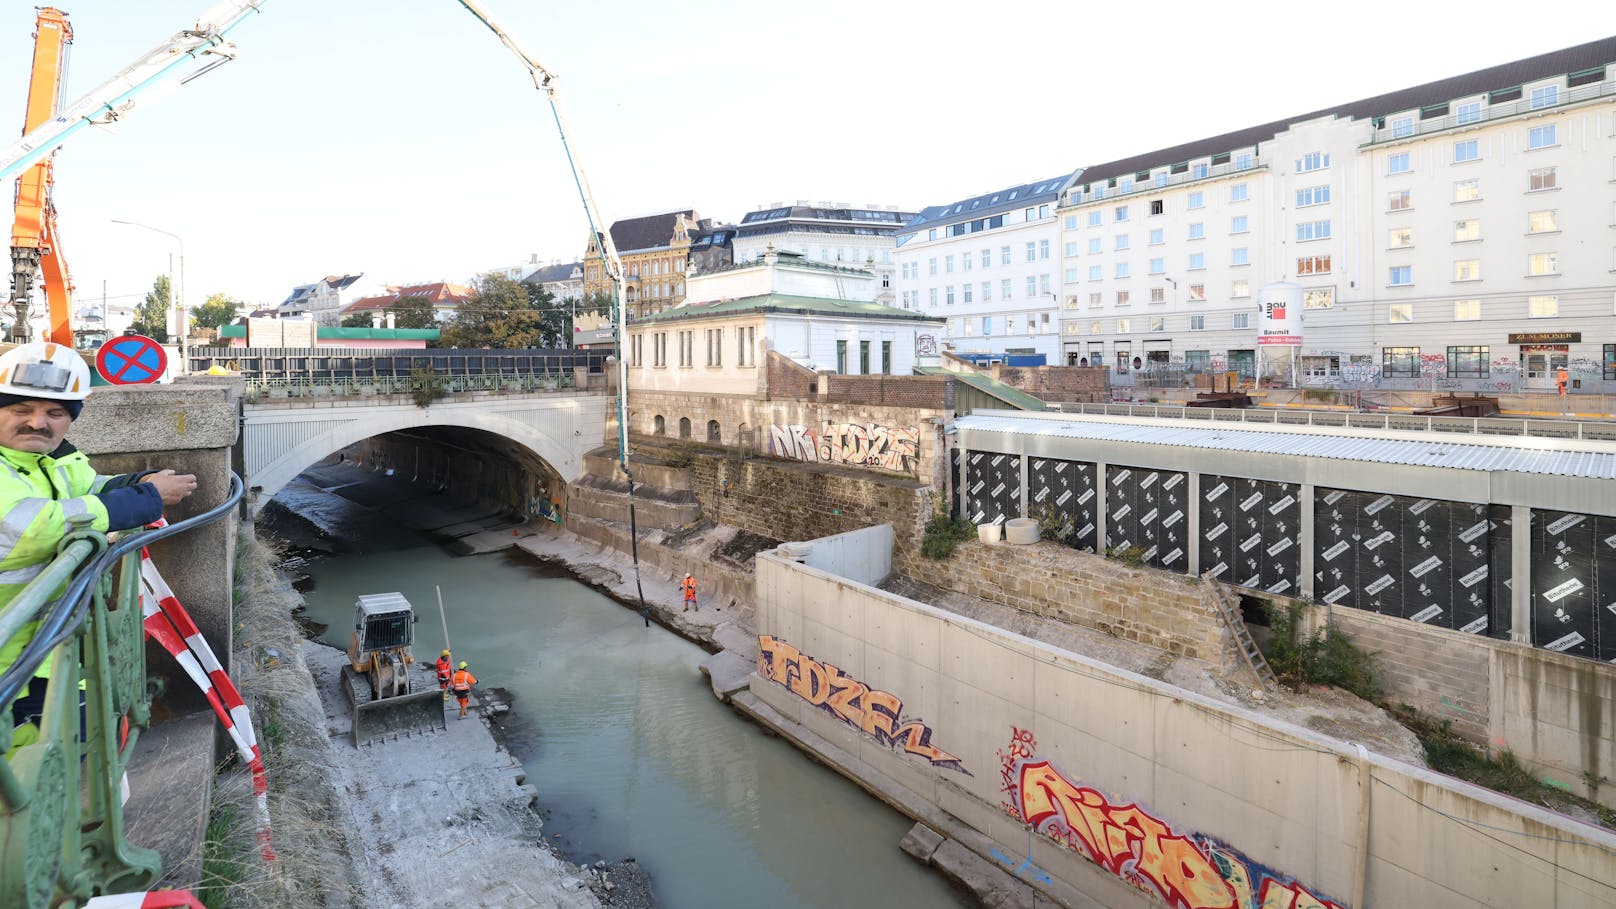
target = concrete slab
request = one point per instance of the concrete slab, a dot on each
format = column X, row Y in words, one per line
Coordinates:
column 170, row 794
column 920, row 842
column 728, row 673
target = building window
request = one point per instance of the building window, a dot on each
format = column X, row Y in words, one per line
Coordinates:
column 1240, row 320
column 1197, row 200
column 715, row 347
column 1071, row 248
column 1121, row 213
column 1542, row 307
column 1313, row 195
column 1546, row 96
column 1156, row 236
column 1161, row 179
column 1096, row 246
column 1238, row 224
column 1312, row 230
column 1240, row 255
column 1467, row 230
column 1319, row 298
column 1610, row 362
column 1468, row 112
column 1240, row 288
column 948, row 265
column 1094, row 219
column 1466, row 310
column 1312, row 161
column 745, row 343
column 1158, row 323
column 1543, row 264
column 1096, row 272
column 931, row 266
column 1043, row 284
column 1543, row 178
column 886, row 358
column 1123, row 298
column 1032, row 287
column 1198, row 322
column 687, row 349
column 1032, row 251
column 1158, row 266
column 1121, row 242
column 932, row 292
column 841, row 358
column 1242, row 161
column 1400, row 237
column 1095, row 300
column 987, row 259
column 966, row 289
column 1004, row 255
column 659, row 349
column 987, row 291
column 1124, row 326
column 1122, row 270
column 1155, row 206
column 1004, row 289
column 1400, row 200
column 948, row 295
column 1313, row 265
column 1399, row 163
column 1542, row 222
column 1043, row 210
column 1466, row 190
column 1197, row 293
column 1199, row 172
column 1400, row 276
column 1467, row 270
column 1043, row 249
column 1070, row 222
column 1468, row 150
column 1197, row 230
column 1402, row 127
column 1239, row 192
column 1468, row 362
column 1400, row 362
column 1541, row 136
column 1197, row 261
column 864, row 358
column 1158, row 295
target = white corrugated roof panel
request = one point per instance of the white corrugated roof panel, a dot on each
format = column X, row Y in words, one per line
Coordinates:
column 1530, row 456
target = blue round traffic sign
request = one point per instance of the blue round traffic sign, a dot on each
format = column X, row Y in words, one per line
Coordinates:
column 131, row 360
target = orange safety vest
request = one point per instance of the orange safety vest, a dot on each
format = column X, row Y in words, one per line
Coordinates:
column 444, row 669
column 463, row 681
column 690, row 588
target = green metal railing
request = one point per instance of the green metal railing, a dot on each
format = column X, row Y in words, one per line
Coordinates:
column 268, row 388
column 61, row 814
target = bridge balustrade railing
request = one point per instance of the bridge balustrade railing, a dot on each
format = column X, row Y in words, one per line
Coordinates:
column 62, row 837
column 313, row 386
column 1496, row 426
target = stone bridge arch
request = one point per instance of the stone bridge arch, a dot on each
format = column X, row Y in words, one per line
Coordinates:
column 281, row 440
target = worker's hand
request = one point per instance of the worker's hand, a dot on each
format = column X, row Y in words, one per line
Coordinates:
column 172, row 486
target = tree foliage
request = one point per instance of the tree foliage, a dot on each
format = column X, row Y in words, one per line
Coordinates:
column 509, row 314
column 220, row 309
column 151, row 316
column 414, row 312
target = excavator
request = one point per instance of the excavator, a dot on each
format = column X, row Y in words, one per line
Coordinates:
column 36, row 256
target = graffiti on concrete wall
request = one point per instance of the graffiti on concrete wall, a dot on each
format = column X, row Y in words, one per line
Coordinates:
column 878, row 714
column 1187, row 870
column 858, row 444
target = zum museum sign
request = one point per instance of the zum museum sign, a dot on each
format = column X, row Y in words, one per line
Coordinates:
column 1546, row 337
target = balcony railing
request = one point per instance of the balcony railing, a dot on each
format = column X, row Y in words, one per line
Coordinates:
column 61, row 813
column 1075, row 197
column 1577, row 95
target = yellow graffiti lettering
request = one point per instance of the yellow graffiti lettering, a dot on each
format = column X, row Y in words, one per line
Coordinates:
column 1278, row 895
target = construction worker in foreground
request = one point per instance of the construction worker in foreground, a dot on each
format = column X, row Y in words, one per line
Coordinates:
column 46, row 482
column 461, row 682
column 689, row 587
column 445, row 669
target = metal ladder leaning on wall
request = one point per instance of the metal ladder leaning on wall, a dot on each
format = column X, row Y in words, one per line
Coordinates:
column 1232, row 619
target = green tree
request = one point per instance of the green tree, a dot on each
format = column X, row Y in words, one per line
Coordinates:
column 502, row 314
column 414, row 312
column 151, row 316
column 357, row 320
column 220, row 309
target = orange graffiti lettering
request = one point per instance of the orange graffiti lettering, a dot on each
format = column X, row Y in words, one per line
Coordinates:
column 878, row 714
column 1278, row 895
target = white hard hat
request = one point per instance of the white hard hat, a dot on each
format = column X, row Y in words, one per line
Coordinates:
column 44, row 370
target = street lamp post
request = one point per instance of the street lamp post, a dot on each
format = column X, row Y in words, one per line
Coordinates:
column 178, row 301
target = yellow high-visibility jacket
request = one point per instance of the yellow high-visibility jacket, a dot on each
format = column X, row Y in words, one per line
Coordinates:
column 38, row 494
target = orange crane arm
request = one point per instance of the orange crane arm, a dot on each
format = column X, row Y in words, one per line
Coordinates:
column 35, row 252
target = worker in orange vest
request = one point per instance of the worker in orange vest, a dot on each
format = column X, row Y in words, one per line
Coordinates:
column 445, row 669
column 1562, row 379
column 461, row 682
column 689, row 586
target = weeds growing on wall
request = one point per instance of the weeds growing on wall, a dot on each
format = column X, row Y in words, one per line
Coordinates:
column 1130, row 555
column 1447, row 753
column 425, row 384
column 943, row 533
column 681, row 456
column 1325, row 657
column 1053, row 524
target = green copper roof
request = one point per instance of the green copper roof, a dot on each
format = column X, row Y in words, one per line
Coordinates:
column 351, row 334
column 787, row 304
column 1014, row 397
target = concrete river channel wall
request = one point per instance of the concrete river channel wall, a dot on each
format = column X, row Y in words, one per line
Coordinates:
column 1102, row 787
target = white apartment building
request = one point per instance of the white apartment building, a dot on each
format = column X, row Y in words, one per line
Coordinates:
column 990, row 266
column 1455, row 235
column 834, row 233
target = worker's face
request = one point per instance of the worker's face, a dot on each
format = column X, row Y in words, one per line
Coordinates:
column 36, row 427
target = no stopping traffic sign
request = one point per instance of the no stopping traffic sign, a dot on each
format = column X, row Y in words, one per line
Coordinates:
column 131, row 360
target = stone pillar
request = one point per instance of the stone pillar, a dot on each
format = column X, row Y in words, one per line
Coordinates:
column 1305, row 540
column 1520, row 573
column 1193, row 529
column 191, row 427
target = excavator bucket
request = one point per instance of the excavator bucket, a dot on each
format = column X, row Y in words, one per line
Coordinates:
column 391, row 717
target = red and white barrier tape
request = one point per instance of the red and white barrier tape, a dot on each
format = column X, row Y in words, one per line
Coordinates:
column 150, row 899
column 168, row 623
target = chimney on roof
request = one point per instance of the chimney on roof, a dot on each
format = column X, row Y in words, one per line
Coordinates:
column 390, row 318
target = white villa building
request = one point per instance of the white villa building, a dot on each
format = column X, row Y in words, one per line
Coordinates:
column 1455, row 235
column 990, row 266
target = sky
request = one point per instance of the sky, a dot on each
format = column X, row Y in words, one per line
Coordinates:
column 398, row 139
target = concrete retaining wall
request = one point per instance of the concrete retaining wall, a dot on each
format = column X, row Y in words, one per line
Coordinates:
column 1201, row 802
